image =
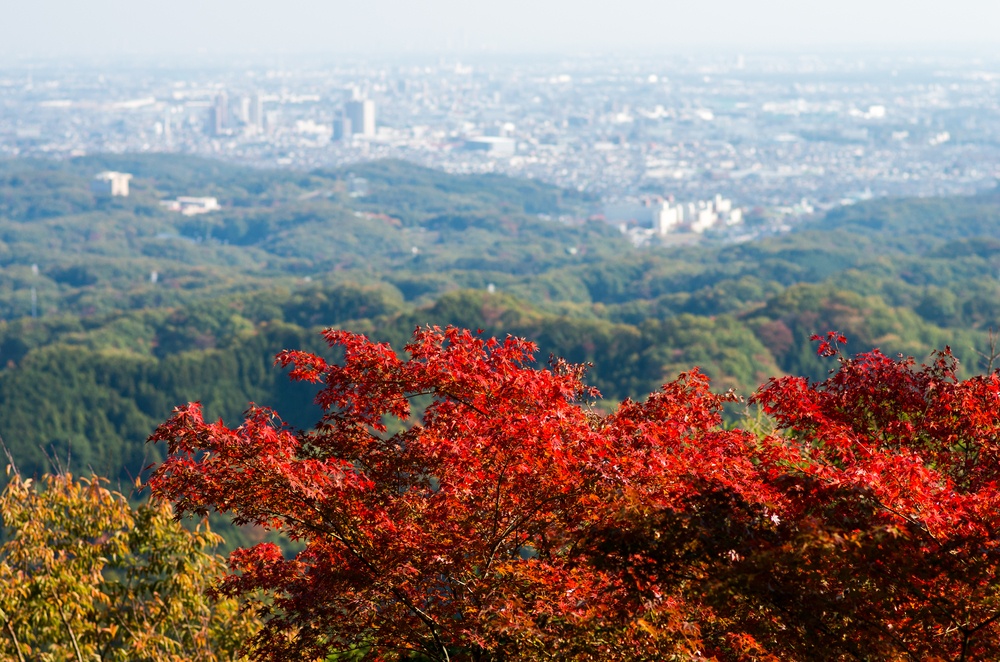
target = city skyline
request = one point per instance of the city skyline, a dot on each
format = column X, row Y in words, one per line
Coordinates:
column 186, row 29
column 791, row 134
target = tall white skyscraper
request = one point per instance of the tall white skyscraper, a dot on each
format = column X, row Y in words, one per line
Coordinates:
column 362, row 117
column 220, row 114
column 110, row 184
column 257, row 113
column 244, row 110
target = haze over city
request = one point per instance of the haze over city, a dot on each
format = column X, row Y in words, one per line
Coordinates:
column 785, row 108
column 113, row 27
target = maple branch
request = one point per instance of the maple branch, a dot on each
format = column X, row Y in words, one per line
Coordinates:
column 968, row 632
column 333, row 530
column 965, row 645
column 918, row 524
column 496, row 501
column 988, row 621
column 514, row 524
column 458, row 399
column 878, row 503
column 817, row 623
column 993, row 353
column 437, row 390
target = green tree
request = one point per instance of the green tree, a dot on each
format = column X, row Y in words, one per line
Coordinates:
column 84, row 576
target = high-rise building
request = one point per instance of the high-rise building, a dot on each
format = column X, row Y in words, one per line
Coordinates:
column 257, row 113
column 243, row 111
column 362, row 116
column 665, row 217
column 220, row 114
column 167, row 127
column 341, row 128
column 110, row 183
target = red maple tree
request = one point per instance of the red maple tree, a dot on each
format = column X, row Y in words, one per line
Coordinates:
column 509, row 520
column 889, row 549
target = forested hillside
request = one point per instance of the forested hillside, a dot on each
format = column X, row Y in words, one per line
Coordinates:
column 138, row 309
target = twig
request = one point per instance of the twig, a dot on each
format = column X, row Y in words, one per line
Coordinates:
column 72, row 635
column 13, row 637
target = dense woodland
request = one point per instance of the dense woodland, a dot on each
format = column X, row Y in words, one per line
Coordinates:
column 109, row 353
column 115, row 311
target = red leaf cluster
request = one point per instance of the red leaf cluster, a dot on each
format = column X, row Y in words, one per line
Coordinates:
column 509, row 520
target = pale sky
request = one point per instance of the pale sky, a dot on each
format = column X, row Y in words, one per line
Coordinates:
column 185, row 27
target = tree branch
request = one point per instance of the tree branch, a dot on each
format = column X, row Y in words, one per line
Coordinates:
column 13, row 637
column 72, row 635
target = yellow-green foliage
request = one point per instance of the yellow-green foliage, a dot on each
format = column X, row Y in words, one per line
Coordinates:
column 84, row 576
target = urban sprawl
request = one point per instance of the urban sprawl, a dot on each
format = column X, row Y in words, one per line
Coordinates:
column 667, row 145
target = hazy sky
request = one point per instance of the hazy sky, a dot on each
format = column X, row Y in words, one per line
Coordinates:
column 186, row 27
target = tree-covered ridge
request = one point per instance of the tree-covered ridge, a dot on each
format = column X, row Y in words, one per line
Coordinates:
column 90, row 394
column 111, row 351
column 96, row 255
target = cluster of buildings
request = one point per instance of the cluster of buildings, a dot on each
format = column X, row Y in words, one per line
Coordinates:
column 191, row 205
column 245, row 115
column 112, row 184
column 356, row 118
column 663, row 216
column 695, row 216
column 767, row 132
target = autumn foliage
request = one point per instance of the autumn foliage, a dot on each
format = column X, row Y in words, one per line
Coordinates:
column 462, row 504
column 86, row 576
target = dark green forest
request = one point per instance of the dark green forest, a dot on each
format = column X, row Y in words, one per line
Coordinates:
column 96, row 350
